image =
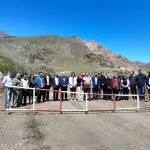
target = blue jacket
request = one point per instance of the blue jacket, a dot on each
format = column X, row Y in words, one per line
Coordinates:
column 141, row 80
column 61, row 81
column 98, row 82
column 39, row 82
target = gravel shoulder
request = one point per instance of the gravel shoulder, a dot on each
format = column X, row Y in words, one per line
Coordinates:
column 70, row 131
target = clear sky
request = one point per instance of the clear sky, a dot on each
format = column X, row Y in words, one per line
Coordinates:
column 122, row 26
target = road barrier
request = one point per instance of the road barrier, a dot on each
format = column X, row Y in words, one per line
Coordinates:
column 89, row 102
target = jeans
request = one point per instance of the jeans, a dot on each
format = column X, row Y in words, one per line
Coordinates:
column 8, row 97
column 141, row 91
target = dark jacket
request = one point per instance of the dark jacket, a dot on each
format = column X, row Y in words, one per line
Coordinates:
column 102, row 80
column 132, row 80
column 108, row 82
column 98, row 82
column 31, row 83
column 80, row 81
column 54, row 83
column 50, row 80
column 141, row 80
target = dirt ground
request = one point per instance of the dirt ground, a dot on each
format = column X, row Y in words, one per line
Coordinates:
column 75, row 131
column 122, row 130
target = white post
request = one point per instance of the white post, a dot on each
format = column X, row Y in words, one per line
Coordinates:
column 138, row 101
column 86, row 101
column 34, row 99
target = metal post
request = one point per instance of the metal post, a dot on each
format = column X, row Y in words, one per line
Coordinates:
column 60, row 92
column 86, row 102
column 114, row 100
column 34, row 99
column 138, row 101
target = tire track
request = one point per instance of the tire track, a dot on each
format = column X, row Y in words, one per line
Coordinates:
column 34, row 137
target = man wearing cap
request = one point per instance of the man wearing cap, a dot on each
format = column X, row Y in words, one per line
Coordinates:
column 7, row 81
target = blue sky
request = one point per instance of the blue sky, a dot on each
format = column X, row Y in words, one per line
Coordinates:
column 123, row 26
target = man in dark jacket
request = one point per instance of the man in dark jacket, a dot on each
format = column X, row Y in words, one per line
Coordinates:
column 108, row 86
column 141, row 80
column 132, row 79
column 63, row 82
column 55, row 87
column 48, row 83
column 102, row 80
column 95, row 86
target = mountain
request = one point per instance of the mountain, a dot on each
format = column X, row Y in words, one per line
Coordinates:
column 58, row 54
column 138, row 63
column 144, row 66
column 3, row 34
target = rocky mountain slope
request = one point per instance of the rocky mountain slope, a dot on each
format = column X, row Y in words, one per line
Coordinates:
column 55, row 53
column 145, row 66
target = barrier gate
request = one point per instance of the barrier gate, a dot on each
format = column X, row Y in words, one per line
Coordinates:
column 56, row 102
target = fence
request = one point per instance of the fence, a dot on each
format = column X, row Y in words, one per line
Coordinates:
column 56, row 103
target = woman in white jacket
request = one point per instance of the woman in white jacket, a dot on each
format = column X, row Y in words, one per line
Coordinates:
column 125, row 84
column 73, row 86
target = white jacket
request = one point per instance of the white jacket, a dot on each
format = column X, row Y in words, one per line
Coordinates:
column 72, row 81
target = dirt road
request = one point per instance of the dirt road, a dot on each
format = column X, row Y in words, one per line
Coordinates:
column 52, row 131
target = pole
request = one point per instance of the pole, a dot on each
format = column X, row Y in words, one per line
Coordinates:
column 34, row 99
column 86, row 102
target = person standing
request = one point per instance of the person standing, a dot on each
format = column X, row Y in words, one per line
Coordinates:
column 133, row 89
column 17, row 92
column 125, row 83
column 108, row 86
column 63, row 81
column 73, row 83
column 55, row 87
column 25, row 90
column 116, row 86
column 40, row 83
column 148, row 85
column 80, row 88
column 7, row 81
column 87, row 85
column 95, row 86
column 141, row 81
column 31, row 83
column 102, row 80
column 48, row 83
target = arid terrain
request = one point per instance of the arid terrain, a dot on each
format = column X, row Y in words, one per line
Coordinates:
column 122, row 130
column 75, row 131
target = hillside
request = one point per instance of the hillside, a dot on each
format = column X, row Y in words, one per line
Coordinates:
column 58, row 54
column 145, row 66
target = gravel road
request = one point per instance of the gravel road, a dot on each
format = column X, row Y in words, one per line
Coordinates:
column 70, row 131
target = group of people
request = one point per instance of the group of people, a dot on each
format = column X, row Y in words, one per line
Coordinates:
column 78, row 84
